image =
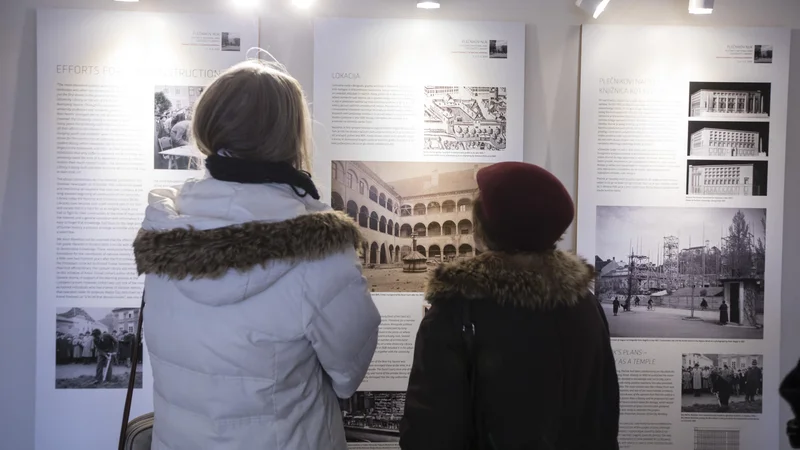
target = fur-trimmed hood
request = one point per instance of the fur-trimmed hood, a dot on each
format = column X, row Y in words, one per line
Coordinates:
column 189, row 253
column 539, row 281
column 222, row 242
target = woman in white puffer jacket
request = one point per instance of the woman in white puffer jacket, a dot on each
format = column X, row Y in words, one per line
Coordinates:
column 258, row 316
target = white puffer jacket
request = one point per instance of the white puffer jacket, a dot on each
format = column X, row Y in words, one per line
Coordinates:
column 257, row 317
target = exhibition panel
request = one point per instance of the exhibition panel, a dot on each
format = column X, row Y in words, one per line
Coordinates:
column 681, row 181
column 407, row 112
column 681, row 174
column 115, row 98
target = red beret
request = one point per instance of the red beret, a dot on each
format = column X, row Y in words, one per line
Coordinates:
column 525, row 207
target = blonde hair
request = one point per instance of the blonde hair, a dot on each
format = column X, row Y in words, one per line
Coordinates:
column 255, row 111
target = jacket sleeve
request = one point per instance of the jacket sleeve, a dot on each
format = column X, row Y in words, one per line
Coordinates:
column 341, row 320
column 437, row 409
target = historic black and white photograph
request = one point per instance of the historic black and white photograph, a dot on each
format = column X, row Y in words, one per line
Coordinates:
column 414, row 216
column 231, row 42
column 467, row 118
column 718, row 100
column 714, row 383
column 94, row 347
column 173, row 108
column 728, row 140
column 691, row 273
column 762, row 54
column 373, row 416
column 498, row 49
column 726, row 178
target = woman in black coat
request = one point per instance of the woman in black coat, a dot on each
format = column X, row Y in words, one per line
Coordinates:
column 514, row 352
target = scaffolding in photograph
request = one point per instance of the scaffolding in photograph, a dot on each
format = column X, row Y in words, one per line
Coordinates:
column 671, row 266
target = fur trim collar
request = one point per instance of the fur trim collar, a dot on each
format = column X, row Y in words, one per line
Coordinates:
column 180, row 253
column 534, row 280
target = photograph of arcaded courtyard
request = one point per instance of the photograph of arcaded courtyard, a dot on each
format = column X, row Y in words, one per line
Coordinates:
column 413, row 215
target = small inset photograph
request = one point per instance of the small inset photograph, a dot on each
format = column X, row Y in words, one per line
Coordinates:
column 173, row 109
column 718, row 100
column 413, row 215
column 94, row 347
column 728, row 140
column 681, row 273
column 717, row 383
column 373, row 417
column 231, row 42
column 465, row 118
column 762, row 54
column 726, row 178
column 498, row 49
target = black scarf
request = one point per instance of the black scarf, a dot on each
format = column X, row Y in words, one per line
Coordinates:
column 259, row 172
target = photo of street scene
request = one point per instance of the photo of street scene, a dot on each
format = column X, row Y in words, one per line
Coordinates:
column 498, row 49
column 762, row 54
column 465, row 118
column 230, row 42
column 731, row 384
column 173, row 109
column 413, row 215
column 373, row 416
column 694, row 273
column 94, row 347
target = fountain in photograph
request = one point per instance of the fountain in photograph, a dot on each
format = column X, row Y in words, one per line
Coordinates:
column 415, row 262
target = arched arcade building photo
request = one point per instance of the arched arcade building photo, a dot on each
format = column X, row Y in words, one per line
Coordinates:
column 414, row 216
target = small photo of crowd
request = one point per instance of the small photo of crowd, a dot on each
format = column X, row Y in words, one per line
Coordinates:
column 716, row 383
column 94, row 347
column 373, row 417
column 173, row 109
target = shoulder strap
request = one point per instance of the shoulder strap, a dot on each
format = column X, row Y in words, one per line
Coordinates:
column 126, row 413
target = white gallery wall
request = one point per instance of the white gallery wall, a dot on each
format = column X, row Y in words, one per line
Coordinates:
column 550, row 137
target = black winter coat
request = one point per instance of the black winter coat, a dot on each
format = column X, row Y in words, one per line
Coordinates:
column 545, row 373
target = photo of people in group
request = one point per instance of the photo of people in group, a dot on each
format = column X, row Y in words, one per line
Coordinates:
column 722, row 383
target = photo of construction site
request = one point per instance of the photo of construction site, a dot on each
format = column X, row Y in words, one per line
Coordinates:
column 682, row 273
column 465, row 118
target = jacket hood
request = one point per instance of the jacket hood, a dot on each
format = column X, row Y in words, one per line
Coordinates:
column 540, row 281
column 221, row 242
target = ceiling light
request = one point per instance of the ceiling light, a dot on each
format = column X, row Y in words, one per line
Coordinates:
column 701, row 6
column 429, row 5
column 593, row 7
column 127, row 1
column 302, row 3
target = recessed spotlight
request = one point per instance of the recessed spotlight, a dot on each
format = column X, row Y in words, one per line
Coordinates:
column 593, row 7
column 303, row 3
column 429, row 5
column 701, row 6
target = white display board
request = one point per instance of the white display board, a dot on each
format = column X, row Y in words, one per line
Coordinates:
column 115, row 91
column 406, row 113
column 681, row 175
